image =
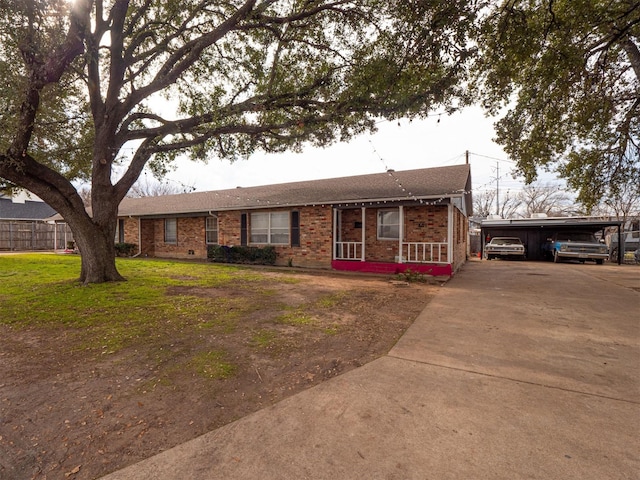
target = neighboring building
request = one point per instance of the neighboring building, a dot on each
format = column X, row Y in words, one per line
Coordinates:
column 24, row 207
column 23, row 225
column 384, row 223
column 630, row 238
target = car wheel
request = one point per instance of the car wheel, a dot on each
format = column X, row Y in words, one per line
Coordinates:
column 556, row 257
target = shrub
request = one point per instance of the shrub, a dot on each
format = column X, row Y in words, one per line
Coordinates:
column 412, row 276
column 125, row 249
column 242, row 254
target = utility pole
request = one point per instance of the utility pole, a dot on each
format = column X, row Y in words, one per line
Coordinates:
column 497, row 189
column 466, row 156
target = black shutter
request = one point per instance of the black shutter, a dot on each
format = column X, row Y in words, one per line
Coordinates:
column 243, row 229
column 295, row 229
column 121, row 230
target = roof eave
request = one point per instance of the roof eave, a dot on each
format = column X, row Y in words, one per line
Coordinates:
column 354, row 202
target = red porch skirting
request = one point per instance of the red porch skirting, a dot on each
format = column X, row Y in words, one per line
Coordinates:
column 436, row 270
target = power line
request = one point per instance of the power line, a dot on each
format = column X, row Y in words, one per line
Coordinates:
column 493, row 158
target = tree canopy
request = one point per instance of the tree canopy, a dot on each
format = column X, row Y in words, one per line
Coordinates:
column 99, row 89
column 567, row 72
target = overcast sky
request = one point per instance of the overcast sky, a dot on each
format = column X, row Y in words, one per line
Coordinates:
column 436, row 141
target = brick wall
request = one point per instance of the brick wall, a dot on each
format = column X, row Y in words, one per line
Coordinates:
column 316, row 240
column 460, row 238
column 351, row 225
column 315, row 237
column 131, row 233
column 426, row 223
column 229, row 228
column 191, row 242
column 147, row 228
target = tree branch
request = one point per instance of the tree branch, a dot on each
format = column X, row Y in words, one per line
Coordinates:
column 186, row 56
column 47, row 71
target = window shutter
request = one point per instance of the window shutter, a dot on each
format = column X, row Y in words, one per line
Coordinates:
column 243, row 229
column 295, row 229
column 121, row 230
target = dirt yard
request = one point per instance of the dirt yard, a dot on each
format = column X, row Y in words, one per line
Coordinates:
column 68, row 412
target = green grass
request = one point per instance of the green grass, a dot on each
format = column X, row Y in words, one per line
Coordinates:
column 332, row 330
column 212, row 365
column 161, row 301
column 329, row 301
column 297, row 316
column 41, row 290
column 264, row 339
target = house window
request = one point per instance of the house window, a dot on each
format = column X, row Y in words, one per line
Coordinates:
column 171, row 230
column 270, row 228
column 211, row 229
column 389, row 224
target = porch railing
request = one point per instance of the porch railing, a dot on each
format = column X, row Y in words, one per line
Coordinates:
column 348, row 250
column 412, row 252
column 424, row 252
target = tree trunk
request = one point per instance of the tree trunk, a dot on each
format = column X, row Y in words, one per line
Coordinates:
column 97, row 248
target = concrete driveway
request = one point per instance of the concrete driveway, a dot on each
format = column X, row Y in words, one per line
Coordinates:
column 515, row 370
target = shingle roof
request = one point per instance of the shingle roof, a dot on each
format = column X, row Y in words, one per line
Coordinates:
column 29, row 210
column 422, row 183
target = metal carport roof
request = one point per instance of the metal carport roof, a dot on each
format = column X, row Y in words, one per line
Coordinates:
column 534, row 231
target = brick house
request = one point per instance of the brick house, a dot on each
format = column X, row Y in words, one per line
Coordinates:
column 384, row 223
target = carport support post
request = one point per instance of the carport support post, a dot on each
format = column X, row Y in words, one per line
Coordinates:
column 620, row 245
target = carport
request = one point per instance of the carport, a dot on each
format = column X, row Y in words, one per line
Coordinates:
column 534, row 231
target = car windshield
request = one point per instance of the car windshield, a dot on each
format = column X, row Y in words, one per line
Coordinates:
column 576, row 237
column 506, row 241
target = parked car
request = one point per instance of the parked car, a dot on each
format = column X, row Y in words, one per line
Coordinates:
column 636, row 255
column 577, row 245
column 504, row 247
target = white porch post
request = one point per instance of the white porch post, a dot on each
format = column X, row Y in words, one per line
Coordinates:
column 55, row 236
column 450, row 233
column 364, row 223
column 335, row 232
column 400, row 233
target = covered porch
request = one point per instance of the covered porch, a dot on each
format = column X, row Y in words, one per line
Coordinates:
column 394, row 238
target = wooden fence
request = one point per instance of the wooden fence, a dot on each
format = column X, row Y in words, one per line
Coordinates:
column 33, row 235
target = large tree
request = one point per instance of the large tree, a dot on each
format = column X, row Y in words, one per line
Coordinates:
column 552, row 200
column 567, row 73
column 490, row 202
column 89, row 87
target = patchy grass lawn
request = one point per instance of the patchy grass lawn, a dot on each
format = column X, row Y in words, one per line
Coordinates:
column 101, row 376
